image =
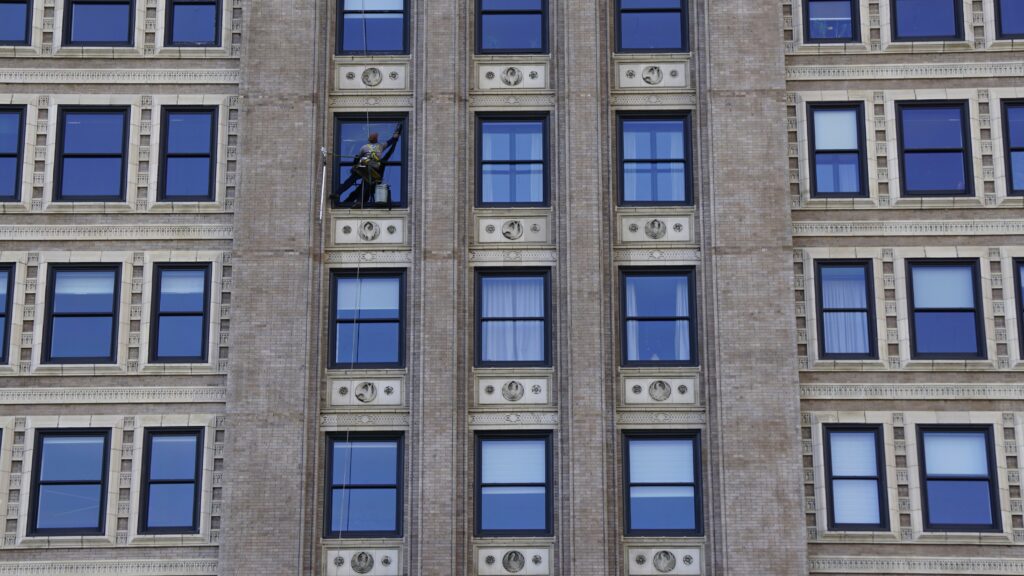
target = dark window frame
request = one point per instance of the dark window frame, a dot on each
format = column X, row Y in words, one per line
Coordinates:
column 499, row 272
column 862, row 156
column 958, row 15
column 869, row 288
column 68, row 12
column 165, row 116
column 395, row 273
column 156, row 314
column 1000, row 35
column 1008, row 148
column 854, row 25
column 544, row 31
column 19, row 153
column 28, row 23
column 341, row 171
column 169, row 24
column 686, row 117
column 1018, row 272
column 58, row 169
column 883, row 489
column 992, row 478
column 5, row 334
column 48, row 324
column 399, row 486
column 684, row 16
column 965, row 150
column 695, row 437
column 478, row 485
column 339, row 36
column 979, row 308
column 147, row 482
column 484, row 117
column 37, row 457
column 690, row 273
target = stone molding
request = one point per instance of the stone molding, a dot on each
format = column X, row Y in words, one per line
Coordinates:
column 15, row 233
column 369, row 419
column 511, row 101
column 904, row 71
column 119, row 395
column 911, row 228
column 147, row 76
column 361, row 101
column 513, row 418
column 912, row 391
column 377, row 256
column 635, row 417
column 110, row 568
column 513, row 256
column 690, row 255
column 881, row 565
column 686, row 100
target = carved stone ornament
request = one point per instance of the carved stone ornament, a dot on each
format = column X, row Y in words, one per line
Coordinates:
column 490, row 228
column 385, row 561
column 369, row 231
column 366, row 392
column 339, row 561
column 664, row 561
column 362, row 563
column 512, row 229
column 513, row 391
column 393, row 75
column 537, row 559
column 372, row 76
column 641, row 559
column 489, row 560
column 513, row 561
column 659, row 390
column 512, row 76
column 655, row 229
column 653, row 75
column 683, row 389
column 350, row 76
column 536, row 389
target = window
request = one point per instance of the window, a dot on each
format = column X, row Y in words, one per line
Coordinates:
column 15, row 22
column 364, row 485
column 99, row 22
column 193, row 23
column 371, row 27
column 946, row 319
column 662, row 478
column 12, row 138
column 512, row 307
column 91, row 154
column 1010, row 19
column 831, row 21
column 351, row 133
column 506, row 26
column 917, row 20
column 180, row 313
column 652, row 26
column 655, row 167
column 934, row 149
column 82, row 314
column 188, row 165
column 6, row 299
column 1013, row 135
column 513, row 495
column 855, row 478
column 368, row 319
column 836, row 133
column 846, row 314
column 170, row 481
column 512, row 169
column 69, row 494
column 959, row 486
column 1018, row 264
column 659, row 325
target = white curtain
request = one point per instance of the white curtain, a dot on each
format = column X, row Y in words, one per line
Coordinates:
column 845, row 332
column 513, row 462
column 654, row 461
column 943, row 287
column 635, row 293
column 511, row 298
column 956, row 453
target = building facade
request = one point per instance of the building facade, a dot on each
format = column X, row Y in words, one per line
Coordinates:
column 648, row 287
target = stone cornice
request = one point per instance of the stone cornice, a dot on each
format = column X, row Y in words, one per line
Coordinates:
column 912, row 391
column 119, row 76
column 877, row 565
column 911, row 228
column 15, row 233
column 115, row 395
column 904, row 71
column 110, row 568
column 660, row 417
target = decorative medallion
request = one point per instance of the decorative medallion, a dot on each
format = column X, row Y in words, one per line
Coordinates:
column 373, row 76
column 512, row 76
column 537, row 559
column 369, row 231
column 664, row 561
column 339, row 561
column 641, row 559
column 513, row 561
column 512, row 229
column 687, row 559
column 655, row 229
column 659, row 390
column 350, row 76
column 489, row 228
column 683, row 389
column 366, row 392
column 536, row 389
column 653, row 75
column 362, row 563
column 489, row 560
column 512, row 391
column 393, row 75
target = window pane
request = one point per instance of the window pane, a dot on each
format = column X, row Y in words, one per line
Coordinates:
column 959, row 502
column 173, row 457
column 1011, row 17
column 513, row 508
column 932, row 127
column 83, row 291
column 925, row 18
column 837, row 173
column 512, row 297
column 512, row 341
column 511, row 31
column 352, row 136
column 4, row 282
column 373, row 33
column 365, row 462
column 375, row 343
column 73, row 458
column 182, row 290
column 68, row 506
column 368, row 298
column 100, row 22
column 13, row 22
column 657, row 296
column 943, row 286
column 855, row 502
column 513, row 461
column 189, row 133
column 853, row 453
column 652, row 31
column 658, row 340
column 835, row 129
column 1017, row 167
column 662, row 508
column 512, row 183
column 830, row 20
column 956, row 453
column 945, row 333
column 180, row 337
column 91, row 177
column 935, row 171
column 8, row 177
column 96, row 133
column 10, row 127
column 844, row 287
column 86, row 338
column 195, row 23
column 512, row 140
column 660, row 461
column 661, row 182
column 364, row 510
column 653, row 140
column 846, row 333
column 170, row 505
column 1015, row 114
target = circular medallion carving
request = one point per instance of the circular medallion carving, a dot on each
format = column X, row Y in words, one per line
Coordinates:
column 365, row 392
column 490, row 228
column 346, row 229
column 339, row 561
column 511, row 76
column 683, row 389
column 633, row 227
column 389, row 390
column 369, row 231
column 489, row 75
column 489, row 389
column 489, row 560
column 350, row 76
column 664, row 561
column 392, row 229
column 513, row 561
column 533, row 74
column 678, row 227
column 659, row 390
column 537, row 559
column 630, row 74
column 512, row 391
column 652, row 75
column 343, row 390
column 393, row 75
column 637, row 389
column 641, row 559
column 372, row 76
column 536, row 389
column 512, row 229
column 687, row 559
column 362, row 563
column 674, row 73
column 655, row 229
column 385, row 561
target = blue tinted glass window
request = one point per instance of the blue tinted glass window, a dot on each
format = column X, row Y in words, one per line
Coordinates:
column 513, row 485
column 82, row 315
column 367, row 320
column 838, row 154
column 654, row 160
column 512, row 26
column 513, row 319
column 933, row 150
column 92, row 155
column 188, row 159
column 6, row 281
column 194, row 23
column 659, row 324
column 662, row 476
column 945, row 310
column 14, row 22
column 846, row 310
column 1014, row 138
column 926, row 19
column 831, row 20
column 855, row 482
column 70, row 482
column 99, row 22
column 371, row 27
column 364, row 484
column 1011, row 18
column 652, row 25
column 351, row 135
column 11, row 146
column 959, row 485
column 180, row 324
column 512, row 162
column 171, row 483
